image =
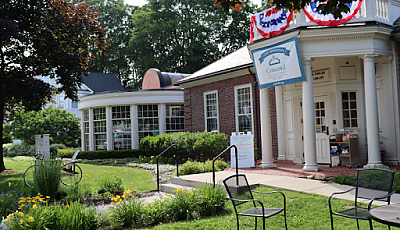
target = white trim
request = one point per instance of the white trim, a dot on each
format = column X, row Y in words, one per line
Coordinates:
column 205, row 108
column 236, row 88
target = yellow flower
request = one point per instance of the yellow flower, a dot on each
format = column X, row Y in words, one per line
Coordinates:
column 165, row 197
column 42, row 218
column 9, row 184
column 21, row 221
column 112, row 203
column 152, row 156
column 94, row 184
column 30, row 219
column 47, row 197
column 34, row 206
column 115, row 161
column 67, row 205
column 84, row 177
column 110, row 214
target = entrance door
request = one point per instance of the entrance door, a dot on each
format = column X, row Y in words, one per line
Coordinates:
column 322, row 119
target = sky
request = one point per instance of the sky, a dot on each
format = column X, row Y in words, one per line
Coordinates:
column 142, row 2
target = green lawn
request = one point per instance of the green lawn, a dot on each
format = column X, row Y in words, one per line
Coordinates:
column 304, row 211
column 133, row 178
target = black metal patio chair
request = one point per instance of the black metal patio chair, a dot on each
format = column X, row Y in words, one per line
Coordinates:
column 240, row 193
column 372, row 184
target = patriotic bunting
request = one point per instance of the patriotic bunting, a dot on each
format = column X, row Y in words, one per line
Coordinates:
column 269, row 23
column 328, row 19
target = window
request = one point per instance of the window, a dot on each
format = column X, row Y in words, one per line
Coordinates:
column 211, row 111
column 349, row 103
column 175, row 119
column 100, row 129
column 320, row 121
column 86, row 128
column 243, row 109
column 148, row 120
column 121, row 120
column 74, row 104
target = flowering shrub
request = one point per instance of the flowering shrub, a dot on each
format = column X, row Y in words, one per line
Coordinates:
column 8, row 202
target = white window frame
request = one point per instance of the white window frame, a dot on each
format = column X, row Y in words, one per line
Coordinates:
column 205, row 108
column 349, row 109
column 236, row 88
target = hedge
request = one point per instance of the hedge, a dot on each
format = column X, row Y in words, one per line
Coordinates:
column 197, row 146
column 105, row 154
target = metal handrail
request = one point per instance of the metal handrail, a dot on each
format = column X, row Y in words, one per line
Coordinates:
column 219, row 155
column 158, row 171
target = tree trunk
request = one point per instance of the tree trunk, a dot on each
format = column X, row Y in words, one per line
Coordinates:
column 2, row 166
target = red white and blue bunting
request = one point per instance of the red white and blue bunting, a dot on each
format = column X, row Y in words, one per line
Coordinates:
column 269, row 23
column 328, row 19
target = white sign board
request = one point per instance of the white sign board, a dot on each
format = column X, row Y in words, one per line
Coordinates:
column 245, row 146
column 278, row 64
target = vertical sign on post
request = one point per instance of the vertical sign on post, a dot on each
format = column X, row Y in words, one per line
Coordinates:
column 43, row 145
column 245, row 148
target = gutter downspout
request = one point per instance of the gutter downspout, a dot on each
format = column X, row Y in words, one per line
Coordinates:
column 255, row 111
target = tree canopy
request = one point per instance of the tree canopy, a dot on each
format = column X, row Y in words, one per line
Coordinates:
column 184, row 35
column 62, row 126
column 43, row 38
column 336, row 7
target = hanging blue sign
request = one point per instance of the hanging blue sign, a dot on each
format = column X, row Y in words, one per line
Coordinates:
column 278, row 64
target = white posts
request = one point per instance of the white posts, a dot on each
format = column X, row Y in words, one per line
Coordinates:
column 266, row 136
column 371, row 108
column 135, row 127
column 280, row 124
column 109, row 129
column 310, row 151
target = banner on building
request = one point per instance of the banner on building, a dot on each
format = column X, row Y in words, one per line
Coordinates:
column 278, row 64
column 245, row 146
column 269, row 23
column 328, row 19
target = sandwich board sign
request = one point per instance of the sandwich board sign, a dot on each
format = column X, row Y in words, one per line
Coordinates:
column 245, row 147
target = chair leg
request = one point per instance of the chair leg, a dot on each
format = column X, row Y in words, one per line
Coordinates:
column 237, row 222
column 263, row 223
column 370, row 224
column 358, row 227
column 331, row 221
column 255, row 222
column 284, row 214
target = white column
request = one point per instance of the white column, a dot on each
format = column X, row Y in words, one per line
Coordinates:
column 109, row 129
column 266, row 136
column 162, row 127
column 310, row 150
column 371, row 112
column 280, row 124
column 83, row 141
column 134, row 128
column 91, row 131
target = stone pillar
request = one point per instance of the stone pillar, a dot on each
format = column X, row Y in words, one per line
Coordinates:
column 266, row 136
column 310, row 151
column 134, row 127
column 371, row 112
column 280, row 124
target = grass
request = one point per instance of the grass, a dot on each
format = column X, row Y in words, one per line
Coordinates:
column 304, row 211
column 133, row 178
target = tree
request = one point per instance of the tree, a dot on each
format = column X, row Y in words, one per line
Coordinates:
column 62, row 126
column 184, row 35
column 115, row 18
column 48, row 38
column 336, row 7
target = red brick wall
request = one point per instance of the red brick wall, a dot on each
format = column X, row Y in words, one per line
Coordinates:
column 194, row 107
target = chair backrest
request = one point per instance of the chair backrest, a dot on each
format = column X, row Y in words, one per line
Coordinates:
column 75, row 155
column 374, row 183
column 238, row 188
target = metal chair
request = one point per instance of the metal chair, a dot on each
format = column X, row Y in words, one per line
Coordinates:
column 372, row 184
column 240, row 193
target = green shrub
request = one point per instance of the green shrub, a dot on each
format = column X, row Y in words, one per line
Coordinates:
column 47, row 179
column 112, row 185
column 196, row 146
column 73, row 216
column 345, row 179
column 212, row 199
column 396, row 182
column 106, row 154
column 129, row 213
column 9, row 202
column 67, row 152
column 194, row 167
column 6, row 147
column 22, row 149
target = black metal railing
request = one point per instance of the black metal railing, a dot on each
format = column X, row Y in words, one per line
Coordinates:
column 219, row 155
column 158, row 171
